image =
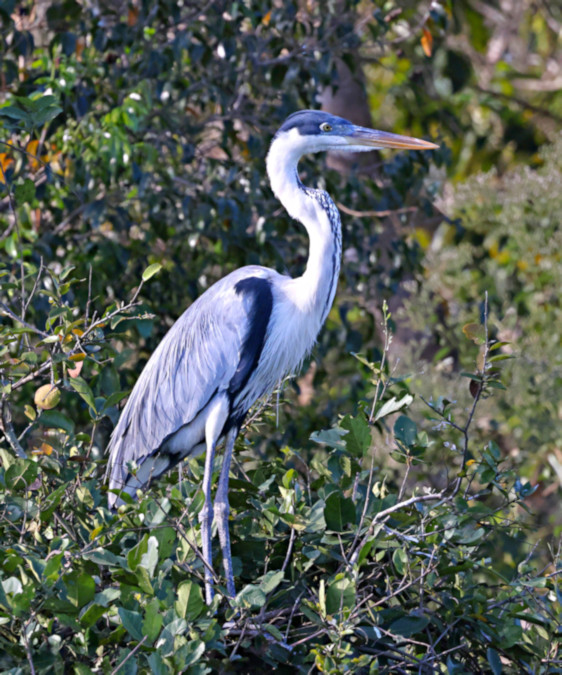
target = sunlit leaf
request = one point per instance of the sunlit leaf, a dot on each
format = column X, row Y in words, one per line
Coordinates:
column 150, row 271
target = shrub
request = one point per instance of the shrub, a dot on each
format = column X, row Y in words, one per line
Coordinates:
column 339, row 565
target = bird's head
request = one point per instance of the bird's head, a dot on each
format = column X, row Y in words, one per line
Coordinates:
column 316, row 131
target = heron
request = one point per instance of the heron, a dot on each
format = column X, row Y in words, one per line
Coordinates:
column 239, row 339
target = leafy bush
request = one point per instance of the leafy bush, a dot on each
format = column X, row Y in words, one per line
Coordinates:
column 338, row 565
column 507, row 239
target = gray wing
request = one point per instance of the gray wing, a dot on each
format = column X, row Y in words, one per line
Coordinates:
column 214, row 346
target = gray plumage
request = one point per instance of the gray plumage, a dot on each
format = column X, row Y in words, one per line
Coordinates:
column 197, row 359
column 239, row 339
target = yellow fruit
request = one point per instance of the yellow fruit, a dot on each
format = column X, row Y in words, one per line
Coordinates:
column 47, row 397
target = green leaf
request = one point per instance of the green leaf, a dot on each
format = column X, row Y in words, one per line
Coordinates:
column 101, row 556
column 83, row 389
column 92, row 614
column 113, row 399
column 393, row 406
column 52, row 500
column 134, row 556
column 82, row 669
column 189, row 604
column 494, row 661
column 165, row 643
column 52, row 568
column 501, row 357
column 271, row 580
column 251, row 597
column 167, row 541
column 273, row 630
column 66, row 270
column 340, row 595
column 6, row 458
column 366, row 549
column 496, row 385
column 157, row 665
column 21, row 474
column 80, row 588
column 195, row 650
column 44, row 116
column 12, row 585
column 132, row 622
column 322, row 598
column 405, row 430
column 498, row 345
column 471, row 376
column 152, row 620
column 14, row 113
column 333, row 438
column 150, row 271
column 107, row 597
column 409, row 625
column 358, row 439
column 339, row 512
column 149, row 560
column 400, row 560
column 315, row 520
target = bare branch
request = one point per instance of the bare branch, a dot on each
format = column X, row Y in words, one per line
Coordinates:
column 376, row 214
column 6, row 310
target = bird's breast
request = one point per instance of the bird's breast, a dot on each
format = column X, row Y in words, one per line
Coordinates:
column 291, row 334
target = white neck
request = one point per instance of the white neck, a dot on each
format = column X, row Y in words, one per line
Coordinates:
column 319, row 215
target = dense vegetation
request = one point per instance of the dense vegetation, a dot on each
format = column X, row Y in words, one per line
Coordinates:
column 398, row 510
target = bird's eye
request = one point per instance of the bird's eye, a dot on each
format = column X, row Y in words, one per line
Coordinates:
column 325, row 126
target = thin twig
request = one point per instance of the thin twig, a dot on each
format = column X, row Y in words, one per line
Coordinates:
column 124, row 661
column 376, row 214
column 6, row 310
column 289, row 550
column 477, row 397
column 28, row 648
column 88, row 303
column 293, row 610
column 238, row 642
column 35, row 284
column 436, row 496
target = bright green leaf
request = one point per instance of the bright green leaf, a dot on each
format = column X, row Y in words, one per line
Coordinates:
column 150, row 271
column 189, row 604
column 358, row 439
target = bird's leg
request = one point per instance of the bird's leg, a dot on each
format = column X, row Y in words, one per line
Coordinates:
column 206, row 519
column 222, row 510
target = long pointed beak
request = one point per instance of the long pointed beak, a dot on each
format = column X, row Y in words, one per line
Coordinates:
column 382, row 139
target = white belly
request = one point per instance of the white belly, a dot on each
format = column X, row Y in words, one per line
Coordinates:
column 292, row 331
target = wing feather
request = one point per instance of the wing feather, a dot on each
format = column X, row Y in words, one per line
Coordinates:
column 210, row 348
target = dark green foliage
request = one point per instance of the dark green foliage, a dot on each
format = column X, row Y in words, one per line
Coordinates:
column 369, row 534
column 510, row 244
column 336, row 567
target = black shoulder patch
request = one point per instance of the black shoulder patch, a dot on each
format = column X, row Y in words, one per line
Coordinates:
column 258, row 300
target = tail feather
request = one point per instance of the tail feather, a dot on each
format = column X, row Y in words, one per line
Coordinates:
column 151, row 468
